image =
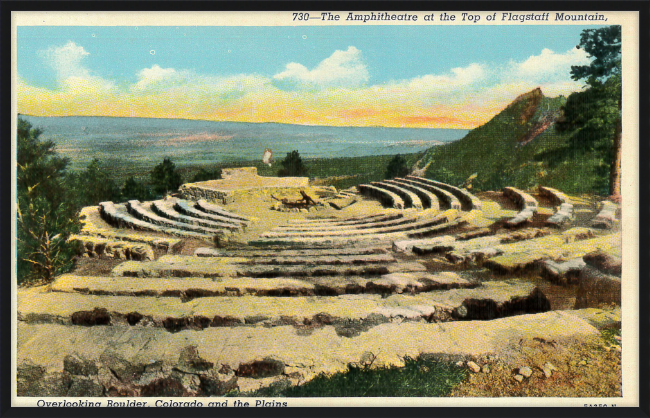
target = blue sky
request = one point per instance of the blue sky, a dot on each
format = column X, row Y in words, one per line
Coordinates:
column 287, row 58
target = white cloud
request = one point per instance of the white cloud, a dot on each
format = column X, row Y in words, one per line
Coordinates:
column 154, row 75
column 459, row 77
column 342, row 68
column 67, row 60
column 549, row 64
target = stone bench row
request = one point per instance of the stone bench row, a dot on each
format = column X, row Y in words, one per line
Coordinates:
column 185, row 208
column 166, row 210
column 488, row 301
column 447, row 198
column 411, row 200
column 194, row 287
column 111, row 214
column 428, row 199
column 525, row 202
column 347, row 222
column 94, row 246
column 208, row 207
column 346, row 227
column 564, row 206
column 468, row 201
column 407, row 224
column 386, row 197
column 136, row 208
column 340, row 220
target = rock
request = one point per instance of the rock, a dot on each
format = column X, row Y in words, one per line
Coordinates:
column 75, row 365
column 562, row 273
column 596, row 288
column 473, row 366
column 605, row 262
column 548, row 369
column 485, row 368
column 259, row 369
column 519, row 378
column 526, row 371
column 189, row 361
column 207, row 252
column 122, row 368
column 216, row 383
column 141, row 253
column 460, row 363
column 85, row 387
column 164, row 387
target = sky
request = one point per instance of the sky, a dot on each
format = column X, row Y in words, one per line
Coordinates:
column 396, row 76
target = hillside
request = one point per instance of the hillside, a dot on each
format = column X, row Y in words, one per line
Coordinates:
column 519, row 147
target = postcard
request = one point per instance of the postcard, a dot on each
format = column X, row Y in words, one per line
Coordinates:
column 325, row 208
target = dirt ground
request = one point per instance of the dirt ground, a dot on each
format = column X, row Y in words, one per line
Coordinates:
column 583, row 369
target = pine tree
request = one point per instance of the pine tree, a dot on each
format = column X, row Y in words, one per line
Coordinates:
column 397, row 167
column 596, row 112
column 46, row 209
column 165, row 177
column 292, row 165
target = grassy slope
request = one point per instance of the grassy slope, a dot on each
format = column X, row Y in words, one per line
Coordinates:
column 494, row 153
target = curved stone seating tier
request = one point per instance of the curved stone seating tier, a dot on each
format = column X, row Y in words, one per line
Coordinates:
column 428, row 199
column 166, row 210
column 564, row 211
column 185, row 208
column 411, row 200
column 521, row 198
column 302, row 253
column 136, row 209
column 556, row 196
column 443, row 195
column 410, row 226
column 468, row 200
column 205, row 206
column 196, row 287
column 526, row 203
column 386, row 197
column 377, row 224
column 606, row 218
column 116, row 217
column 357, row 220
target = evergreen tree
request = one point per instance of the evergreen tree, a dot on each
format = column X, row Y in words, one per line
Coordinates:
column 165, row 177
column 596, row 112
column 292, row 165
column 94, row 185
column 397, row 167
column 132, row 189
column 46, row 209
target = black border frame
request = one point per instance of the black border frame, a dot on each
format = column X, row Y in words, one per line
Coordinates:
column 643, row 7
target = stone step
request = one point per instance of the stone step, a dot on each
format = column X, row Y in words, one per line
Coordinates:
column 118, row 217
column 429, row 199
column 138, row 361
column 519, row 257
column 411, row 200
column 386, row 197
column 416, row 223
column 302, row 253
column 447, row 198
column 359, row 259
column 195, row 287
column 290, row 228
column 562, row 273
column 93, row 226
column 190, row 266
column 94, row 246
column 137, row 209
column 557, row 197
column 350, row 220
column 489, row 301
column 562, row 215
column 186, row 208
column 468, row 201
column 166, row 210
column 208, row 207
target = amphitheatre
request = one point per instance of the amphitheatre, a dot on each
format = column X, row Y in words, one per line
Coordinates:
column 245, row 281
